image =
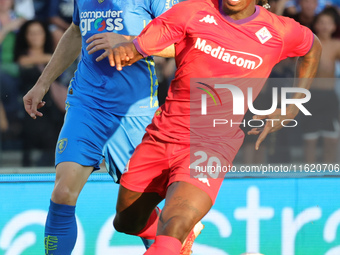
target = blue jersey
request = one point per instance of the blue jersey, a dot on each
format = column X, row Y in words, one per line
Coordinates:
column 132, row 91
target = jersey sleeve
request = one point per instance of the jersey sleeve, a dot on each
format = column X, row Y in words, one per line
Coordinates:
column 164, row 30
column 75, row 17
column 297, row 39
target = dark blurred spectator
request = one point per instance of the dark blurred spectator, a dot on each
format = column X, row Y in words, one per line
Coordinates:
column 3, row 119
column 60, row 17
column 33, row 50
column 9, row 21
column 41, row 9
column 324, row 105
column 331, row 10
column 307, row 12
column 278, row 6
column 9, row 24
column 292, row 7
column 336, row 4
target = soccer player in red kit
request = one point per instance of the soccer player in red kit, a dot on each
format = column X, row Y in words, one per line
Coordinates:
column 220, row 39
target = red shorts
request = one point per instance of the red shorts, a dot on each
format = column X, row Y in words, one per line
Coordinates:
column 156, row 164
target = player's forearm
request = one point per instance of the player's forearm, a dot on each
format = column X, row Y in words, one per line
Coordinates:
column 65, row 54
column 306, row 71
column 168, row 52
column 308, row 64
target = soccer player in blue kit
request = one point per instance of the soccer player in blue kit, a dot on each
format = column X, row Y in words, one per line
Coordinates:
column 102, row 104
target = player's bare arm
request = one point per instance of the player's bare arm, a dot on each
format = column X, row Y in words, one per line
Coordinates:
column 306, row 71
column 107, row 41
column 168, row 52
column 65, row 54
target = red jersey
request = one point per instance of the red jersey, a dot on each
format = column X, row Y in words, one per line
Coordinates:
column 211, row 44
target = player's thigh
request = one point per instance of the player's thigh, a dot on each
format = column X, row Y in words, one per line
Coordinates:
column 191, row 193
column 143, row 183
column 143, row 186
column 148, row 169
column 70, row 180
column 83, row 135
column 119, row 148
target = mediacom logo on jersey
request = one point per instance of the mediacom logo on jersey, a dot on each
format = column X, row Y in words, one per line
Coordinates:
column 238, row 58
column 101, row 20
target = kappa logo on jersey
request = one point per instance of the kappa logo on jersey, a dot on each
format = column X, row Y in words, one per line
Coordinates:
column 100, row 20
column 238, row 58
column 209, row 19
column 264, row 35
column 203, row 178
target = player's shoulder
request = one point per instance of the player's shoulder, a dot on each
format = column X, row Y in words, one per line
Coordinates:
column 278, row 22
column 270, row 17
column 283, row 20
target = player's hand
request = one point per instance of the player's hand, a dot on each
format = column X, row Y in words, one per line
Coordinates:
column 33, row 101
column 104, row 41
column 273, row 124
column 124, row 54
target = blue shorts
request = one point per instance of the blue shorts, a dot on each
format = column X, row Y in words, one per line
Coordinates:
column 88, row 135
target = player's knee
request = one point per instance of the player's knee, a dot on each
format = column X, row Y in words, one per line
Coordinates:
column 127, row 225
column 64, row 195
column 177, row 226
column 118, row 225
